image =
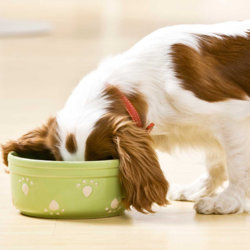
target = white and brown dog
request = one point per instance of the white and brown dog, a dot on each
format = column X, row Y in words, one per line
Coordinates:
column 193, row 83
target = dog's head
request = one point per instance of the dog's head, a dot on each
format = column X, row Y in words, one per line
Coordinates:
column 114, row 136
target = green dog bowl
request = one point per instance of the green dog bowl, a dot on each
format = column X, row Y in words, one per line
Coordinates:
column 63, row 189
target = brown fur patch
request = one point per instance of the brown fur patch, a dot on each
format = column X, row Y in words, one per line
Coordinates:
column 220, row 70
column 40, row 143
column 116, row 136
column 71, row 144
column 99, row 145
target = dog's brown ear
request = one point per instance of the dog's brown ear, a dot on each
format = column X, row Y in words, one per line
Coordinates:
column 40, row 143
column 141, row 176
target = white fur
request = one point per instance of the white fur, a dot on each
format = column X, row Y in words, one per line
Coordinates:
column 181, row 119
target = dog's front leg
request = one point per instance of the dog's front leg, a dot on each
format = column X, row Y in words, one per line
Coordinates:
column 206, row 184
column 215, row 175
column 236, row 143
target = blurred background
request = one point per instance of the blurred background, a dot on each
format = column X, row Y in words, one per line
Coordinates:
column 47, row 46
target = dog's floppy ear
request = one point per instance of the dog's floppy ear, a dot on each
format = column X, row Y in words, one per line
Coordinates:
column 40, row 143
column 141, row 176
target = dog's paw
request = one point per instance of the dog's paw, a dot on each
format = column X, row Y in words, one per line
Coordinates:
column 180, row 193
column 221, row 204
column 202, row 187
column 204, row 205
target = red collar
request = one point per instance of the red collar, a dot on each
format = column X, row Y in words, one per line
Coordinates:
column 133, row 113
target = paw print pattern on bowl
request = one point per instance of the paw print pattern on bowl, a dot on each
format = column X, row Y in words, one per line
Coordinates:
column 54, row 208
column 87, row 187
column 115, row 206
column 26, row 183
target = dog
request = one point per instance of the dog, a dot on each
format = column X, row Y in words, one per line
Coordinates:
column 180, row 86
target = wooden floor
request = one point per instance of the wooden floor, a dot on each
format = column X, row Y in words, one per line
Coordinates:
column 37, row 73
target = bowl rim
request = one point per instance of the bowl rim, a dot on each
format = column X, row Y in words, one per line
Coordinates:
column 33, row 163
